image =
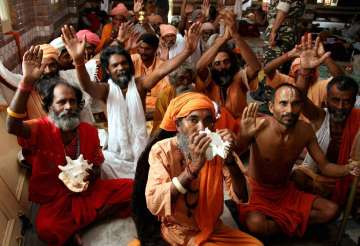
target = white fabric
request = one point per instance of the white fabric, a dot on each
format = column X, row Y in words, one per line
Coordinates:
column 58, row 44
column 178, row 47
column 323, row 137
column 283, row 6
column 127, row 131
column 10, row 77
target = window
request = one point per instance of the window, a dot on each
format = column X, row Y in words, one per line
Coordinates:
column 5, row 16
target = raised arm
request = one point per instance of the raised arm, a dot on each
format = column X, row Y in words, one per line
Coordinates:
column 271, row 67
column 32, row 70
column 327, row 168
column 76, row 50
column 334, row 69
column 309, row 60
column 246, row 52
column 209, row 55
column 191, row 41
column 249, row 126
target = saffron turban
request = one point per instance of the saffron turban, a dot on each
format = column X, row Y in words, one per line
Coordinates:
column 182, row 106
column 120, row 9
column 166, row 29
column 58, row 44
column 91, row 37
column 49, row 51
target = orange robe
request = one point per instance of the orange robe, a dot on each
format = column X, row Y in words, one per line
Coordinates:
column 287, row 206
column 235, row 100
column 317, row 92
column 63, row 212
column 34, row 106
column 105, row 36
column 181, row 225
column 351, row 128
column 142, row 70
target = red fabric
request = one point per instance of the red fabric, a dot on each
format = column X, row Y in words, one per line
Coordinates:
column 351, row 128
column 287, row 206
column 63, row 212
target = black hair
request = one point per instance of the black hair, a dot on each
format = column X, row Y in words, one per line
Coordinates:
column 150, row 39
column 235, row 65
column 46, row 86
column 115, row 50
column 344, row 83
column 147, row 225
column 286, row 85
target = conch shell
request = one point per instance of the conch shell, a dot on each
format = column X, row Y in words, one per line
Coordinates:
column 217, row 145
column 74, row 172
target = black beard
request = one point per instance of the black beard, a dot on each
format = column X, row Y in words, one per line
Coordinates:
column 222, row 78
column 338, row 115
column 294, row 118
column 123, row 79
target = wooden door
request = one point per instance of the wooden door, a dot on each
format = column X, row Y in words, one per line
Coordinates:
column 13, row 187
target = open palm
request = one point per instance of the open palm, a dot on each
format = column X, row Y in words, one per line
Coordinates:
column 31, row 64
column 249, row 126
column 73, row 45
column 192, row 36
column 309, row 58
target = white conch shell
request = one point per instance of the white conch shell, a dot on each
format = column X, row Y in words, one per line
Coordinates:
column 217, row 145
column 74, row 172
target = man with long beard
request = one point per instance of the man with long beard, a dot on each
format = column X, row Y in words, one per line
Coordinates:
column 184, row 189
column 275, row 205
column 336, row 127
column 124, row 96
column 47, row 144
column 223, row 81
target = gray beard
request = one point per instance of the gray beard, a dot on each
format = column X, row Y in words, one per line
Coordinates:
column 64, row 121
column 183, row 144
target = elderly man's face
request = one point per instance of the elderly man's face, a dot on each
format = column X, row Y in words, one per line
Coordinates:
column 65, row 111
column 340, row 103
column 184, row 82
column 51, row 67
column 206, row 33
column 117, row 20
column 169, row 40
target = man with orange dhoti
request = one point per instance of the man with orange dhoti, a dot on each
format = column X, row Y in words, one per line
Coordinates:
column 184, row 189
column 145, row 62
column 221, row 77
column 50, row 143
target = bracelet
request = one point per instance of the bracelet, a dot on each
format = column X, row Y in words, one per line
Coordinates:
column 24, row 87
column 178, row 185
column 15, row 115
column 193, row 175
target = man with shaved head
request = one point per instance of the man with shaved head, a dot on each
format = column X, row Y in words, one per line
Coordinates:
column 275, row 205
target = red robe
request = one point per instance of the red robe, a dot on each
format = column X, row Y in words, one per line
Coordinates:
column 63, row 212
column 350, row 131
column 287, row 206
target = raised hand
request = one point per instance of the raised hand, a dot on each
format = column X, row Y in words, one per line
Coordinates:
column 205, row 8
column 295, row 52
column 73, row 45
column 31, row 64
column 125, row 30
column 138, row 5
column 249, row 127
column 309, row 55
column 229, row 18
column 192, row 37
column 133, row 41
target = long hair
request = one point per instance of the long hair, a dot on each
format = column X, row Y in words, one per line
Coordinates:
column 147, row 225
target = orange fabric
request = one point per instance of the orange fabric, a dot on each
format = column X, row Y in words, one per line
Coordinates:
column 105, row 36
column 209, row 208
column 182, row 106
column 34, row 106
column 287, row 206
column 49, row 51
column 141, row 70
column 351, row 128
column 166, row 162
column 236, row 100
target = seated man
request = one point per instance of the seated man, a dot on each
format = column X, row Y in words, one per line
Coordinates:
column 46, row 142
column 317, row 89
column 171, row 42
column 184, row 189
column 220, row 76
column 336, row 127
column 124, row 96
column 275, row 205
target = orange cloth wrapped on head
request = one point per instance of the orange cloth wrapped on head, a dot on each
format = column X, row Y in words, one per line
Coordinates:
column 49, row 51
